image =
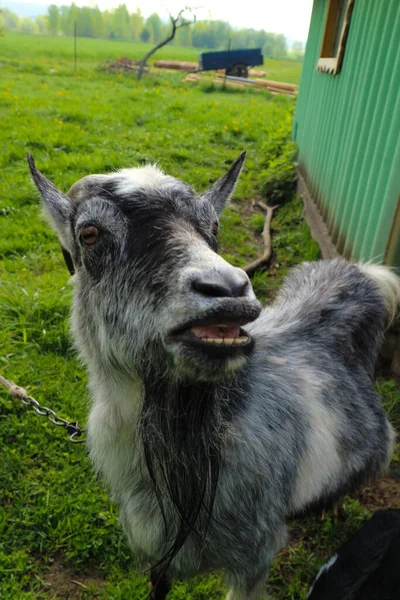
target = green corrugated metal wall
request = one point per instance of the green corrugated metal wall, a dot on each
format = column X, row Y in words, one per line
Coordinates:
column 347, row 128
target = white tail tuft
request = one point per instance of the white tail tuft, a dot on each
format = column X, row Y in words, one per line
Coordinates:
column 389, row 284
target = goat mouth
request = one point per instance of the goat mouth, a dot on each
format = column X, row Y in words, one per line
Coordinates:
column 217, row 340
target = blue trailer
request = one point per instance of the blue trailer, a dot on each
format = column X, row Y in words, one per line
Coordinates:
column 235, row 62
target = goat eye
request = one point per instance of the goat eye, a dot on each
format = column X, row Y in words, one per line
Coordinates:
column 215, row 228
column 90, row 235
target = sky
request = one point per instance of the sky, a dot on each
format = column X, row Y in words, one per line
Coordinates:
column 290, row 17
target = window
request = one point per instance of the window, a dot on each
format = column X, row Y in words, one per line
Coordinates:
column 335, row 35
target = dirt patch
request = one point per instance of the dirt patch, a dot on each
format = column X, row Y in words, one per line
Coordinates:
column 249, row 207
column 384, row 493
column 67, row 584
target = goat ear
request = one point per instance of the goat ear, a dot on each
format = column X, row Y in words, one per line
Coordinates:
column 220, row 191
column 56, row 204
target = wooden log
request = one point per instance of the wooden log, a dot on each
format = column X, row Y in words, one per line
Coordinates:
column 192, row 78
column 256, row 73
column 252, row 72
column 276, row 85
column 176, row 64
column 225, row 81
column 275, row 90
column 241, row 82
column 279, row 85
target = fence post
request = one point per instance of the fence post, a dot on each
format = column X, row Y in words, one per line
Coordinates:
column 75, row 48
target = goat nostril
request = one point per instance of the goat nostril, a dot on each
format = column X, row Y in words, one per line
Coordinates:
column 211, row 288
column 241, row 289
column 223, row 287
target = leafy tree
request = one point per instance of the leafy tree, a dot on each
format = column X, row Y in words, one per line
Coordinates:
column 118, row 23
column 98, row 22
column 260, row 37
column 183, row 37
column 275, row 45
column 211, row 34
column 121, row 22
column 136, row 24
column 155, row 26
column 108, row 23
column 42, row 23
column 28, row 26
column 11, row 20
column 68, row 16
column 298, row 50
column 86, row 22
column 54, row 19
column 280, row 49
column 145, row 35
column 64, row 16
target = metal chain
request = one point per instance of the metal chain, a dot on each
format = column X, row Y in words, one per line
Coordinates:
column 72, row 427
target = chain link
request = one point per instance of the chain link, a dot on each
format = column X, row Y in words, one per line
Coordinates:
column 72, row 427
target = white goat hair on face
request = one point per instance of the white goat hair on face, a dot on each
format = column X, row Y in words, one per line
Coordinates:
column 210, row 447
column 147, row 177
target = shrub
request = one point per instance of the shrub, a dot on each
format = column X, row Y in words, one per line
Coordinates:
column 279, row 183
column 278, row 178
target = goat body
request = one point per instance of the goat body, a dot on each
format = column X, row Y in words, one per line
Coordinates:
column 211, row 436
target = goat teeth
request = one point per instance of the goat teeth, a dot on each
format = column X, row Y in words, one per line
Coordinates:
column 241, row 340
column 228, row 341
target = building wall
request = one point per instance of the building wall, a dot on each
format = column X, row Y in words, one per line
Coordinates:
column 347, row 127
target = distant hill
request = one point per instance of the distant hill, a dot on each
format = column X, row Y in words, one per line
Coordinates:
column 23, row 9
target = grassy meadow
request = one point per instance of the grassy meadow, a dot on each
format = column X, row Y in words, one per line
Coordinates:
column 27, row 50
column 59, row 532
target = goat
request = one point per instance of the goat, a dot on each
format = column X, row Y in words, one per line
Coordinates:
column 211, row 435
column 367, row 566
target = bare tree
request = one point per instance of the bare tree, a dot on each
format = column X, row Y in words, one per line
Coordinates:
column 176, row 22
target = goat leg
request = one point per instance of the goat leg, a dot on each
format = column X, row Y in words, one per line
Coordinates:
column 159, row 586
column 338, row 513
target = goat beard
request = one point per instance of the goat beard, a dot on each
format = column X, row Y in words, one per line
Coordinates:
column 182, row 430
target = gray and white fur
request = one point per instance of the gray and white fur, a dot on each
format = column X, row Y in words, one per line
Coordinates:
column 209, row 448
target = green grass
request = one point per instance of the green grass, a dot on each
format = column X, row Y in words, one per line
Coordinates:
column 53, row 510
